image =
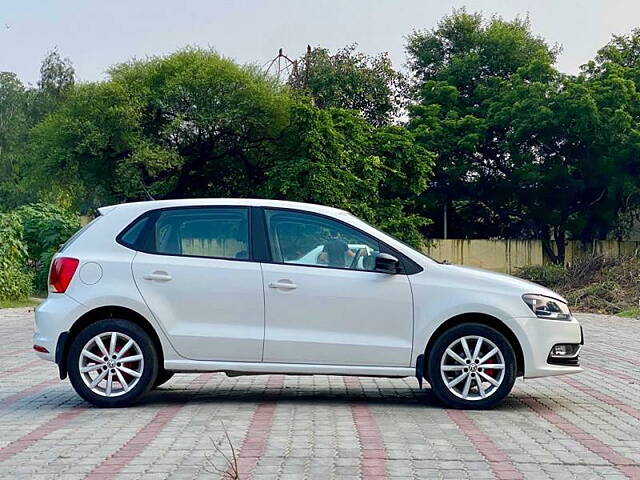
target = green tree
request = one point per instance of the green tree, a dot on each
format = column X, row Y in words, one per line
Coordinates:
column 351, row 80
column 522, row 149
column 14, row 124
column 334, row 157
column 190, row 124
column 458, row 69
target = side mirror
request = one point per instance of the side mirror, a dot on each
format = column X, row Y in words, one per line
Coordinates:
column 386, row 263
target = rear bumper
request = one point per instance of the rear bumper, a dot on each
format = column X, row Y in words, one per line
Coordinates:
column 541, row 336
column 54, row 317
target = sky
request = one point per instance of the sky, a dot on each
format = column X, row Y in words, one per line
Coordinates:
column 97, row 34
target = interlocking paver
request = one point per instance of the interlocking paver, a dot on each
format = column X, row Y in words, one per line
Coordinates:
column 585, row 426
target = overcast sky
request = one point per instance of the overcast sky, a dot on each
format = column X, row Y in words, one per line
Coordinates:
column 96, row 34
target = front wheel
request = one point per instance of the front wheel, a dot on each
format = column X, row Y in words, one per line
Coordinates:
column 472, row 366
column 112, row 363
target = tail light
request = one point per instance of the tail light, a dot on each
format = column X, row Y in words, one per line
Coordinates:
column 61, row 273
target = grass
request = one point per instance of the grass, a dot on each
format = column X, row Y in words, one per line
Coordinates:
column 631, row 313
column 28, row 302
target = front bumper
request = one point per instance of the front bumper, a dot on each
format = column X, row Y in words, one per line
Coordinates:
column 53, row 317
column 541, row 335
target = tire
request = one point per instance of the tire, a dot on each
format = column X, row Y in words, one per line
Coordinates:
column 139, row 373
column 481, row 393
column 163, row 377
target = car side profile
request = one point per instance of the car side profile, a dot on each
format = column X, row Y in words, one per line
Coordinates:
column 251, row 287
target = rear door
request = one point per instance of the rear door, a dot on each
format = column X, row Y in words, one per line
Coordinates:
column 195, row 274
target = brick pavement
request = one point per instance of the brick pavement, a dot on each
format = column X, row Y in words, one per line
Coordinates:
column 287, row 427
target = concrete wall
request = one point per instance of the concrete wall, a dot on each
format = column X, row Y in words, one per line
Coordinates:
column 508, row 255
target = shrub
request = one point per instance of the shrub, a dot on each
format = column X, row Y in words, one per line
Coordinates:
column 15, row 282
column 46, row 227
column 41, row 280
column 548, row 275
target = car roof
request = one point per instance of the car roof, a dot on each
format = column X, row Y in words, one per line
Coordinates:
column 249, row 202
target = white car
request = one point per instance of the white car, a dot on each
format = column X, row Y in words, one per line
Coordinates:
column 217, row 285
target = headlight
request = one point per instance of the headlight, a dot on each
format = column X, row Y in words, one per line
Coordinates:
column 547, row 307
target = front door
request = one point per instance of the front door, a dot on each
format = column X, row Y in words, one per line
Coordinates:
column 324, row 304
column 196, row 278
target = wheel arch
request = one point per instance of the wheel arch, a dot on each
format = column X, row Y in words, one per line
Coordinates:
column 483, row 319
column 101, row 313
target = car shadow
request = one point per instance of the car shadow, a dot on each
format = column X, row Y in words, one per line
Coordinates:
column 62, row 397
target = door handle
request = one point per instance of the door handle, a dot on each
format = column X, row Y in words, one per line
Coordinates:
column 158, row 276
column 284, row 284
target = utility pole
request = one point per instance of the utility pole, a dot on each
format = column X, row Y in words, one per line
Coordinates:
column 445, row 220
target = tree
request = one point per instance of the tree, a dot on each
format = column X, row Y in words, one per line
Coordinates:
column 524, row 151
column 14, row 125
column 351, row 80
column 458, row 69
column 334, row 157
column 190, row 124
column 57, row 74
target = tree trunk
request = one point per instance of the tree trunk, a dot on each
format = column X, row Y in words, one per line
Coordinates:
column 548, row 248
column 560, row 236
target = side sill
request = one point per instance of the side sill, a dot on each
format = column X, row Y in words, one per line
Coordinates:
column 259, row 368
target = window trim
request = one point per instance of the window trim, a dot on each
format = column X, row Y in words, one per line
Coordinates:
column 384, row 247
column 154, row 214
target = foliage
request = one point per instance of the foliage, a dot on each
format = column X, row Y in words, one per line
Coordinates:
column 630, row 313
column 46, row 227
column 549, row 275
column 21, row 109
column 509, row 146
column 191, row 124
column 12, row 247
column 593, row 283
column 334, row 157
column 351, row 80
column 196, row 124
column 27, row 302
column 524, row 151
column 15, row 282
column 57, row 74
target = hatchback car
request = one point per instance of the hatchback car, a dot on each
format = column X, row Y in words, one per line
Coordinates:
column 252, row 287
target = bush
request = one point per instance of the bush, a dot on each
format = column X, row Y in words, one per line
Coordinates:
column 41, row 279
column 15, row 282
column 46, row 227
column 548, row 275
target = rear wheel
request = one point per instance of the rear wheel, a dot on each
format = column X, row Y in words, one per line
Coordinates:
column 472, row 366
column 112, row 363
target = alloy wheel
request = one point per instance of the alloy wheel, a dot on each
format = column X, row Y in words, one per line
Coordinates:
column 111, row 364
column 472, row 367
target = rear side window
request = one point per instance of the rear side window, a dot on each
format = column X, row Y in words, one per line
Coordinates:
column 215, row 232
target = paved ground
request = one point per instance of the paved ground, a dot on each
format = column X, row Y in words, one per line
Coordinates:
column 584, row 426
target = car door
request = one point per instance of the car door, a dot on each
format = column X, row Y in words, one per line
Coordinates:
column 195, row 273
column 330, row 307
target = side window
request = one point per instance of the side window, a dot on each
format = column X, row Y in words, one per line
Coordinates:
column 201, row 232
column 306, row 239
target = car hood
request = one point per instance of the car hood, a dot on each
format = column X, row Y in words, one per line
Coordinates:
column 493, row 280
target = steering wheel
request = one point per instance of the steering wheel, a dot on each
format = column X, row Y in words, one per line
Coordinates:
column 356, row 258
